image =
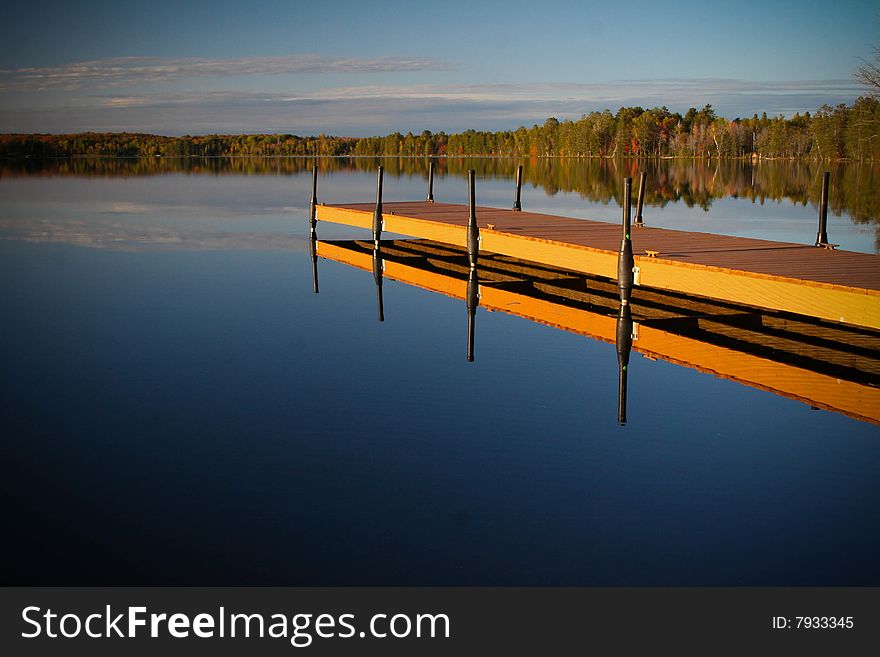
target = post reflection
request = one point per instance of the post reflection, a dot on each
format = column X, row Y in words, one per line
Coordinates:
column 623, row 342
column 313, row 254
column 473, row 300
column 377, row 277
column 313, row 224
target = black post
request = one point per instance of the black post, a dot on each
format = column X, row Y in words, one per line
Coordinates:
column 822, row 235
column 377, row 276
column 473, row 233
column 640, row 202
column 624, row 347
column 625, row 261
column 313, row 252
column 473, row 300
column 377, row 215
column 430, row 198
column 313, row 204
column 517, row 206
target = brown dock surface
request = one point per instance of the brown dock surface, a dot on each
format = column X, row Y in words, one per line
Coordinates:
column 830, row 284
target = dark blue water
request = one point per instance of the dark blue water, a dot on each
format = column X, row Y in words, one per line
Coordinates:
column 195, row 416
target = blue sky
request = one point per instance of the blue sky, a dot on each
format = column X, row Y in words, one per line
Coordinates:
column 361, row 68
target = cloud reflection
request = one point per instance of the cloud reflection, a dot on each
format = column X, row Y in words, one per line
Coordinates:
column 118, row 236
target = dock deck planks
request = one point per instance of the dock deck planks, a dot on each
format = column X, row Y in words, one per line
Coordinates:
column 830, row 284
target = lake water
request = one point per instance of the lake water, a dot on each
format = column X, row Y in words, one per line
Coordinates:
column 181, row 408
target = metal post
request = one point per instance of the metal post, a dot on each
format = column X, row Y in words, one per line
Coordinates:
column 473, row 233
column 640, row 202
column 473, row 300
column 313, row 204
column 822, row 235
column 625, row 261
column 624, row 347
column 377, row 215
column 430, row 198
column 517, row 206
column 377, row 277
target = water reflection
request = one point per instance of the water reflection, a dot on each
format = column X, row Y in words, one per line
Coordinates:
column 473, row 301
column 623, row 343
column 96, row 233
column 313, row 254
column 828, row 366
column 855, row 188
column 378, row 269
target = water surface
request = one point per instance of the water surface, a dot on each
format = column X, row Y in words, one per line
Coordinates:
column 180, row 408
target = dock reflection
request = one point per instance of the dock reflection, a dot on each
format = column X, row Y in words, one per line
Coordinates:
column 829, row 366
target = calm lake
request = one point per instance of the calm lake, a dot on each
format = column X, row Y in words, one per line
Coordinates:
column 180, row 408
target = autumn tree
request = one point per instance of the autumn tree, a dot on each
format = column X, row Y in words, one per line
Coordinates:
column 869, row 74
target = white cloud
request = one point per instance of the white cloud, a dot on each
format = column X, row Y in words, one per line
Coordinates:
column 564, row 92
column 380, row 109
column 124, row 71
column 639, row 92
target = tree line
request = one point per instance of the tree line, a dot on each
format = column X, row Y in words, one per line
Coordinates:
column 124, row 144
column 832, row 133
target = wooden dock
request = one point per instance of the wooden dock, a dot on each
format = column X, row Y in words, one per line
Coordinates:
column 833, row 285
column 833, row 367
